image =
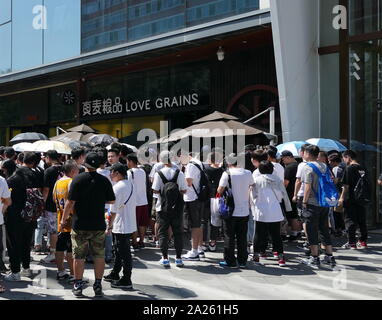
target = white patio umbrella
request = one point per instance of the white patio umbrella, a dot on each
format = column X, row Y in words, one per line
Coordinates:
column 46, row 145
column 23, row 147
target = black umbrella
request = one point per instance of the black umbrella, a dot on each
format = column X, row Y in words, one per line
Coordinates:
column 101, row 139
column 78, row 144
column 28, row 137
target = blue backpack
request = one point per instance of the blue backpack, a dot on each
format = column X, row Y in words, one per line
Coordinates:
column 327, row 194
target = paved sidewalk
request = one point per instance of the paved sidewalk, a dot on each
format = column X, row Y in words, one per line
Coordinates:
column 357, row 276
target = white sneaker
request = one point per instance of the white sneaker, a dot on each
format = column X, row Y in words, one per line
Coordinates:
column 191, row 256
column 27, row 273
column 13, row 277
column 49, row 258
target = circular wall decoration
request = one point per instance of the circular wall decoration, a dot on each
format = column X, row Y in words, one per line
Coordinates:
column 69, row 97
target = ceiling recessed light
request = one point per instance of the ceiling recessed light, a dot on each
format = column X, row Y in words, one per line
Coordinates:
column 245, row 41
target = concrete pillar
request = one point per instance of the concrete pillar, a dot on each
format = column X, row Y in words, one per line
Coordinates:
column 296, row 38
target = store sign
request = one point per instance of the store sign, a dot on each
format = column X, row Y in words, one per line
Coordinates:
column 110, row 106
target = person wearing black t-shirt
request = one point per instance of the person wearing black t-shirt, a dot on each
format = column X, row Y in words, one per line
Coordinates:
column 20, row 232
column 355, row 213
column 213, row 173
column 88, row 194
column 51, row 175
column 290, row 172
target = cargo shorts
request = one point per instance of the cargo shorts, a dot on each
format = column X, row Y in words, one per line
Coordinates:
column 83, row 241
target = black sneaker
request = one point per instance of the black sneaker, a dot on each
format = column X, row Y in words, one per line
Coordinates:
column 98, row 290
column 329, row 260
column 77, row 291
column 111, row 277
column 64, row 276
column 122, row 284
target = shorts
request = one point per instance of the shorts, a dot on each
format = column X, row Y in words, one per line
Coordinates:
column 64, row 242
column 193, row 214
column 317, row 225
column 83, row 241
column 143, row 219
column 292, row 214
column 50, row 220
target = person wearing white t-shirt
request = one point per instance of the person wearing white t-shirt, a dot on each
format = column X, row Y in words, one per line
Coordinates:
column 156, row 167
column 169, row 219
column 239, row 181
column 5, row 202
column 193, row 208
column 299, row 186
column 138, row 176
column 267, row 211
column 122, row 224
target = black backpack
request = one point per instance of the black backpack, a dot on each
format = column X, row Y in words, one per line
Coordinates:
column 171, row 198
column 362, row 190
column 205, row 186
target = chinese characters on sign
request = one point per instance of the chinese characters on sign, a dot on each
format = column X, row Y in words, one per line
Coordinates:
column 109, row 106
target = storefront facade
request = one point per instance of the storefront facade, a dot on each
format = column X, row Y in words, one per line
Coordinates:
column 329, row 69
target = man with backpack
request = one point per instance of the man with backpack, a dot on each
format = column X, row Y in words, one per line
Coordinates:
column 197, row 193
column 319, row 195
column 21, row 217
column 355, row 196
column 169, row 185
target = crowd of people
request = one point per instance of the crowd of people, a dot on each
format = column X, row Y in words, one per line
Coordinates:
column 102, row 205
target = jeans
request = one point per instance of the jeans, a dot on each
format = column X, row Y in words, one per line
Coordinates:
column 355, row 216
column 317, row 225
column 260, row 240
column 40, row 230
column 175, row 220
column 235, row 230
column 251, row 227
column 109, row 247
column 123, row 257
column 19, row 240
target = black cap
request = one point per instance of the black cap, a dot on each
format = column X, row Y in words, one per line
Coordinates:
column 120, row 168
column 92, row 160
column 286, row 153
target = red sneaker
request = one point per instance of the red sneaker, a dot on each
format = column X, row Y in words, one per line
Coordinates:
column 275, row 254
column 282, row 262
column 361, row 245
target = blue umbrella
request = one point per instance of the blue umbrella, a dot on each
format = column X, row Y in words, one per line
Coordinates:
column 327, row 144
column 293, row 146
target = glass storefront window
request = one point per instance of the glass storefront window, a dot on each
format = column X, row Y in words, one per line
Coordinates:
column 5, row 12
column 328, row 35
column 27, row 37
column 330, row 96
column 63, row 103
column 365, row 91
column 365, row 16
column 5, row 48
column 108, row 23
column 62, row 38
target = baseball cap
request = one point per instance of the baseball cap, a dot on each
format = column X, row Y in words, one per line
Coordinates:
column 92, row 160
column 120, row 168
column 286, row 153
